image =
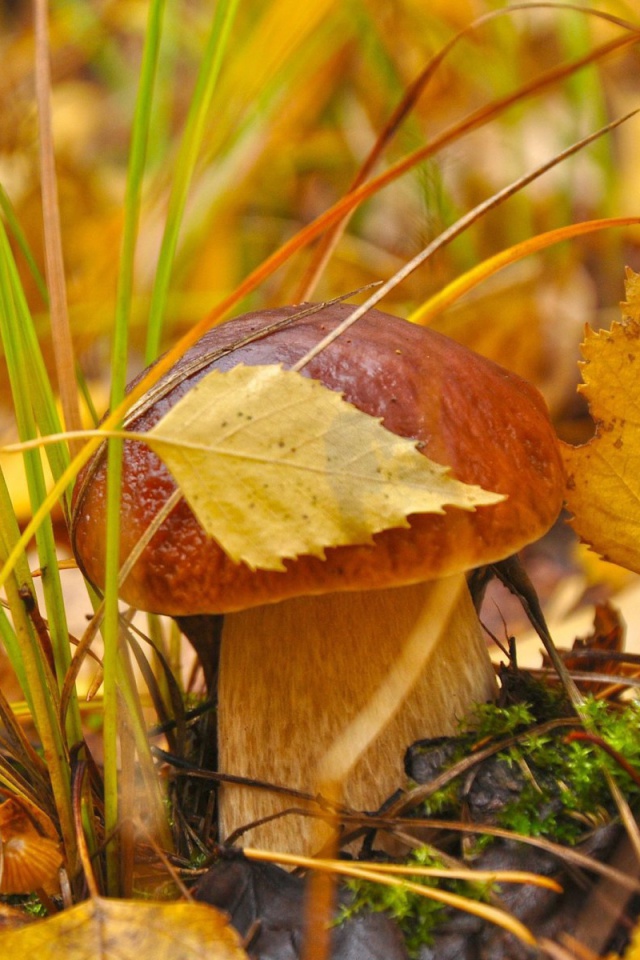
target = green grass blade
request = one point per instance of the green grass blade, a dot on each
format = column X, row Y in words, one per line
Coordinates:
column 18, row 365
column 41, row 684
column 23, row 244
column 43, row 404
column 185, row 164
column 133, row 197
column 9, row 535
column 31, row 394
column 40, row 690
column 111, row 629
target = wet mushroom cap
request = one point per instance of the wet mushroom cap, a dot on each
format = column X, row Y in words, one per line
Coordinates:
column 487, row 424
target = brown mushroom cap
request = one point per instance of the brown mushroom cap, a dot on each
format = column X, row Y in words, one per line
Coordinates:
column 489, row 426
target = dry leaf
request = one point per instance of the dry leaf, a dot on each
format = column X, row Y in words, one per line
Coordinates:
column 588, row 655
column 603, row 476
column 275, row 465
column 129, row 930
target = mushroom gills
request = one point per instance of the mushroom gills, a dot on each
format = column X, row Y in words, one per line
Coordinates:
column 334, row 688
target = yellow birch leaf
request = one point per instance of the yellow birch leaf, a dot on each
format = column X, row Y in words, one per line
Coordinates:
column 275, row 465
column 127, row 930
column 603, row 486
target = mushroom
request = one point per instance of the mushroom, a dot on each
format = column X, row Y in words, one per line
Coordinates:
column 305, row 650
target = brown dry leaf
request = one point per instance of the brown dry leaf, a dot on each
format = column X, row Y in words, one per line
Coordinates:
column 603, row 476
column 128, row 930
column 275, row 465
column 589, row 654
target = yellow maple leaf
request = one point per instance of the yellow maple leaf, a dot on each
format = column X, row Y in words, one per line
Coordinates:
column 275, row 465
column 603, row 486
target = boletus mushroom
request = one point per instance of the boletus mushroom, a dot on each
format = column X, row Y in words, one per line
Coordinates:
column 304, row 650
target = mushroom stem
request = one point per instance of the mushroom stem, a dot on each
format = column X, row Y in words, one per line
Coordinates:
column 329, row 691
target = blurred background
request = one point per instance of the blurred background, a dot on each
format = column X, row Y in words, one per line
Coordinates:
column 305, row 90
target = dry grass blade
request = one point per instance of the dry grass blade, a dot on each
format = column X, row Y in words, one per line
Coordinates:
column 83, row 648
column 77, row 789
column 178, row 718
column 437, row 304
column 414, row 92
column 568, row 854
column 627, row 817
column 14, row 784
column 405, row 870
column 445, row 238
column 590, row 677
column 356, row 871
column 19, row 745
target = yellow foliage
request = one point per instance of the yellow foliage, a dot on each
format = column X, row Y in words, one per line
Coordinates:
column 603, row 476
column 129, row 930
column 633, row 953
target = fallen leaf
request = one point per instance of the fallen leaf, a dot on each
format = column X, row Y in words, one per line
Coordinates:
column 603, row 475
column 127, row 930
column 589, row 654
column 275, row 465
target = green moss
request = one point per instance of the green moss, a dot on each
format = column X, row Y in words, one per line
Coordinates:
column 562, row 794
column 418, row 917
